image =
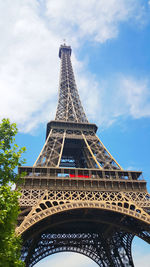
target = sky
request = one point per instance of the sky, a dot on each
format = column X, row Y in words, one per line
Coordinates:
column 110, row 43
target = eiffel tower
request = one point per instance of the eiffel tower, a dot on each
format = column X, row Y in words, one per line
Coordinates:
column 76, row 197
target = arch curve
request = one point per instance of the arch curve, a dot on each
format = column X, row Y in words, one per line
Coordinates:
column 82, row 251
column 45, row 219
column 92, row 245
column 43, row 210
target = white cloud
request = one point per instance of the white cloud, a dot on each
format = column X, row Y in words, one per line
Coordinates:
column 141, row 252
column 142, row 260
column 67, row 259
column 26, row 81
column 31, row 33
column 29, row 65
column 120, row 96
column 137, row 96
column 98, row 20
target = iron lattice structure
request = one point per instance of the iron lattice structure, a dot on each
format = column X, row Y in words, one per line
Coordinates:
column 76, row 197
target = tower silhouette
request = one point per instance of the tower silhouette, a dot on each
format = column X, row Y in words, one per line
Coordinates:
column 76, row 197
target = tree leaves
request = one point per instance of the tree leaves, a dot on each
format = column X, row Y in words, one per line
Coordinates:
column 10, row 158
column 10, row 153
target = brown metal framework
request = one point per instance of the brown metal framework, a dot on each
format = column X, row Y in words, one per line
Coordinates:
column 76, row 197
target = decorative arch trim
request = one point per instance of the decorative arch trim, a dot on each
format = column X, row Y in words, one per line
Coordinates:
column 47, row 207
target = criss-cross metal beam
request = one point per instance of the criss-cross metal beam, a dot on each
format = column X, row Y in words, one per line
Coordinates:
column 69, row 104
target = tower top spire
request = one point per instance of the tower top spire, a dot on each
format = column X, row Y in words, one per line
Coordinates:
column 64, row 41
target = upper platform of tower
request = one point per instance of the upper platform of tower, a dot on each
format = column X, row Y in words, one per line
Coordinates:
column 64, row 48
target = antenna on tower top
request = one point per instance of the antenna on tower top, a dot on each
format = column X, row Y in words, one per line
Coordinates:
column 64, row 40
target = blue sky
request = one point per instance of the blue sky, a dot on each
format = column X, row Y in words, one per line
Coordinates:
column 111, row 60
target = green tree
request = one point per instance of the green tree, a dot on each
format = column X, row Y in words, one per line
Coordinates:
column 10, row 158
